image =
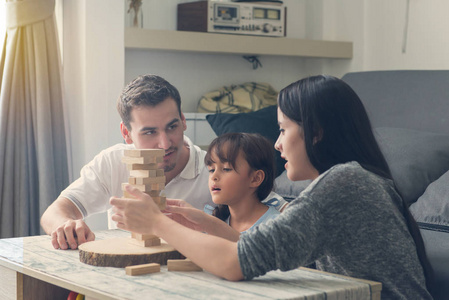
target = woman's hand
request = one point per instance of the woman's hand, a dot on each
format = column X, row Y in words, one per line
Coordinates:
column 137, row 215
column 141, row 215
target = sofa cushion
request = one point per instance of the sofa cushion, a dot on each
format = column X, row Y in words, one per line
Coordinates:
column 416, row 158
column 437, row 243
column 431, row 210
column 263, row 121
column 288, row 189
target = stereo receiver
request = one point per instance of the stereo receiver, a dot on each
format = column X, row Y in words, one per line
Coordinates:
column 232, row 17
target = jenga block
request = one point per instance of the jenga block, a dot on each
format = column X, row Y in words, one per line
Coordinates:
column 153, row 194
column 146, row 187
column 141, row 237
column 132, row 167
column 142, row 160
column 146, row 243
column 146, row 173
column 144, row 152
column 160, row 201
column 185, row 265
column 132, row 180
column 142, row 269
column 148, row 180
column 128, row 195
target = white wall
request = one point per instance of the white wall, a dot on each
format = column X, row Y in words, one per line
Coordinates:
column 427, row 42
column 93, row 69
column 377, row 30
column 196, row 74
column 93, row 64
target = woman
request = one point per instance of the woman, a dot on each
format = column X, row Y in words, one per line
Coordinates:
column 350, row 220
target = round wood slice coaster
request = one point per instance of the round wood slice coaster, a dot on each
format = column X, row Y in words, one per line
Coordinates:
column 120, row 252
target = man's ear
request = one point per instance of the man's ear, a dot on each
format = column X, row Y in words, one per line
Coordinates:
column 184, row 122
column 257, row 178
column 126, row 133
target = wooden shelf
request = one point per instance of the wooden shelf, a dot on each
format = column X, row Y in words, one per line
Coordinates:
column 137, row 38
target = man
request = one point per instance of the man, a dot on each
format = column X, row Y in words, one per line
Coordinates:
column 150, row 108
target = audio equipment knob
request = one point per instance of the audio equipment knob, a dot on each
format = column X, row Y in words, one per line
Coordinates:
column 267, row 27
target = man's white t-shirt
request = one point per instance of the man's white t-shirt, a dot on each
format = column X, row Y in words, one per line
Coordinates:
column 102, row 178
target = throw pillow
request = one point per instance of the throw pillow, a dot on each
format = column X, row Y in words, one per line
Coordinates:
column 263, row 121
column 431, row 210
column 416, row 158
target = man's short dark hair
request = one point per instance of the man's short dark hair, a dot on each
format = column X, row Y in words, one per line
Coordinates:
column 145, row 90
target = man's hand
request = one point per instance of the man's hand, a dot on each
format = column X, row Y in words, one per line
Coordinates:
column 71, row 234
column 64, row 223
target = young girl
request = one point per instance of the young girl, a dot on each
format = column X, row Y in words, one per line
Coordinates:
column 350, row 220
column 241, row 175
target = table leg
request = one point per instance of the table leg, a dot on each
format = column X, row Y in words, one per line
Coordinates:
column 17, row 286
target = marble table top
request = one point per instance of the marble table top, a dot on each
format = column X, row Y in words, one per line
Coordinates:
column 35, row 256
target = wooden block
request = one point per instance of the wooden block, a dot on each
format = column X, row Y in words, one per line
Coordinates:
column 146, row 173
column 142, row 269
column 132, row 180
column 160, row 201
column 185, row 265
column 153, row 194
column 146, row 243
column 128, row 195
column 146, row 187
column 132, row 167
column 149, row 180
column 142, row 160
column 144, row 152
column 141, row 237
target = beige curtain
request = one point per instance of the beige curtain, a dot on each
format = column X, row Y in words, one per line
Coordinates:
column 33, row 151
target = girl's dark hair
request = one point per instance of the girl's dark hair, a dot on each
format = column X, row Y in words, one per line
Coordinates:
column 255, row 149
column 337, row 130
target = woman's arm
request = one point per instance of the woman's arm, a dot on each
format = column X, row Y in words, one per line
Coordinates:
column 216, row 255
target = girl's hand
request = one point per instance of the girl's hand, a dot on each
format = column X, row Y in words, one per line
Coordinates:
column 185, row 214
column 137, row 215
column 198, row 220
column 178, row 202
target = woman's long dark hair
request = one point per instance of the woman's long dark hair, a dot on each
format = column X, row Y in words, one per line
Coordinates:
column 337, row 130
column 256, row 150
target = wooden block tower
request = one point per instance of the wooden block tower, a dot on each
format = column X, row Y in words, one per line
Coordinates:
column 146, row 177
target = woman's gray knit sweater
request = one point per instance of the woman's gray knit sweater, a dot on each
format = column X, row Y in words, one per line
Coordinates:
column 350, row 222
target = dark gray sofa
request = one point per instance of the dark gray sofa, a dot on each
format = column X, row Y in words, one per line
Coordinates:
column 409, row 111
column 416, row 100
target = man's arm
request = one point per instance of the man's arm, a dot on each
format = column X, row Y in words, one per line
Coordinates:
column 64, row 222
